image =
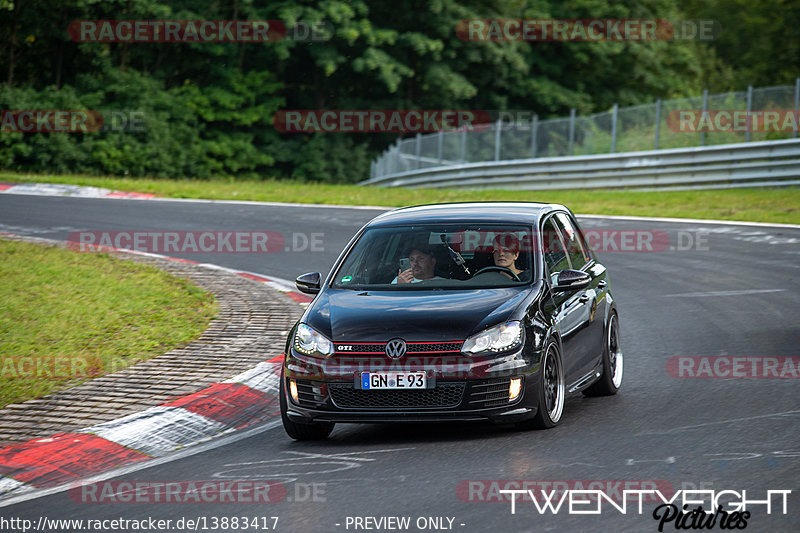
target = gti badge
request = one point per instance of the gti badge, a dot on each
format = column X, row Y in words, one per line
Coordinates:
column 396, row 348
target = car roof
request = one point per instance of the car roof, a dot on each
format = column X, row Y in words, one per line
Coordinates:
column 502, row 212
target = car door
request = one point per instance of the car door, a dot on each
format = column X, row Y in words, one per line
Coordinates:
column 568, row 312
column 589, row 337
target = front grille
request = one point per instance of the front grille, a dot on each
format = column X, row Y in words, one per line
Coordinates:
column 360, row 348
column 445, row 395
column 490, row 393
column 411, row 347
column 433, row 347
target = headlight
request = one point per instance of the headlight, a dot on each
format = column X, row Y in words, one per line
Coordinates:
column 309, row 342
column 500, row 338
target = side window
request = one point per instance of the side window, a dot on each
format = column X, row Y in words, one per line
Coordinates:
column 555, row 256
column 577, row 255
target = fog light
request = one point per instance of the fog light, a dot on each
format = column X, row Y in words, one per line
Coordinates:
column 293, row 390
column 514, row 388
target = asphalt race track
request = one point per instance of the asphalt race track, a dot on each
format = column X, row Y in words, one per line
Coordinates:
column 711, row 290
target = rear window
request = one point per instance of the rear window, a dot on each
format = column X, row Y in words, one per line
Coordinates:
column 453, row 256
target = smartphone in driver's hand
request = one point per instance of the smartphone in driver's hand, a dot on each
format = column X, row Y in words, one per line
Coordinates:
column 405, row 264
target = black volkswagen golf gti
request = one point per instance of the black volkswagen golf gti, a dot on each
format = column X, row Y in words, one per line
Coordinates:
column 453, row 312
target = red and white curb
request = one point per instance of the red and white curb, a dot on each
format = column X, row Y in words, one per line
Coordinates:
column 57, row 189
column 241, row 401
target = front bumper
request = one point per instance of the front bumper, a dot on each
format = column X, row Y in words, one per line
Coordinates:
column 467, row 389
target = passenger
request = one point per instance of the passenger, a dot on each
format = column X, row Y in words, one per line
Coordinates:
column 423, row 262
column 506, row 252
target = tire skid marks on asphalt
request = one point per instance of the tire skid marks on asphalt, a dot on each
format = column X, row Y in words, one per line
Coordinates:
column 288, row 469
column 30, row 231
column 741, row 292
column 729, row 421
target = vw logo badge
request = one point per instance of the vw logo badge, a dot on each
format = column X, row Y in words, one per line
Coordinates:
column 396, row 348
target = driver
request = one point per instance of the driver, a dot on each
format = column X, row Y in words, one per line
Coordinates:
column 422, row 262
column 505, row 252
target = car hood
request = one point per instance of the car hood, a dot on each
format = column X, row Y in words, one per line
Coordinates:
column 373, row 316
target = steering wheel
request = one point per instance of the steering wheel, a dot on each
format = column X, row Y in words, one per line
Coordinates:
column 496, row 268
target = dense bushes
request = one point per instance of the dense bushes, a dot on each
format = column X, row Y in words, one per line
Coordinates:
column 206, row 109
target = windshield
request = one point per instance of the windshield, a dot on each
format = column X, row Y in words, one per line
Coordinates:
column 453, row 256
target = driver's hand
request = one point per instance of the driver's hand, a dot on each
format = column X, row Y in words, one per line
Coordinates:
column 405, row 276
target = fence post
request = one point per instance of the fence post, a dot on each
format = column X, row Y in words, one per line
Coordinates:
column 796, row 102
column 498, row 127
column 534, row 131
column 464, row 144
column 571, row 129
column 397, row 165
column 418, row 150
column 439, row 141
column 749, row 108
column 705, row 108
column 614, row 113
column 658, row 121
column 386, row 161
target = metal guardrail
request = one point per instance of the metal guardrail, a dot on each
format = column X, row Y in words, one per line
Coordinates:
column 754, row 164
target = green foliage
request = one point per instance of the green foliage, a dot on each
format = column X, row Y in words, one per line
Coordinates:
column 759, row 42
column 207, row 108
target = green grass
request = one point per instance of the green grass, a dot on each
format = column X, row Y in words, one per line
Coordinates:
column 69, row 316
column 780, row 205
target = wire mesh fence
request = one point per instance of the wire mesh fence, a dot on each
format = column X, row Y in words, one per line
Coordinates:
column 761, row 114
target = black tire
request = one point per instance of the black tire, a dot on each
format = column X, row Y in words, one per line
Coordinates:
column 552, row 391
column 312, row 431
column 611, row 380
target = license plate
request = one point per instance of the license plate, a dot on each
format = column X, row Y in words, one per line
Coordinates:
column 393, row 380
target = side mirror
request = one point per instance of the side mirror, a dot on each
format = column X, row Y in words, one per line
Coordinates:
column 308, row 283
column 572, row 280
